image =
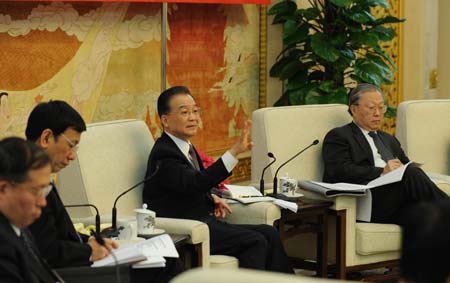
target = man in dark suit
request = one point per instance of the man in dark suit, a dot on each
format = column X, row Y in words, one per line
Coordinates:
column 24, row 180
column 56, row 127
column 360, row 152
column 181, row 186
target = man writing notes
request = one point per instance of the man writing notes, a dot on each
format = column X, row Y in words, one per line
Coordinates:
column 181, row 187
column 359, row 152
column 24, row 181
column 57, row 127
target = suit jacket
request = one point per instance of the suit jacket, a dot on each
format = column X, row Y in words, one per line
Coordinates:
column 59, row 243
column 178, row 190
column 17, row 265
column 348, row 157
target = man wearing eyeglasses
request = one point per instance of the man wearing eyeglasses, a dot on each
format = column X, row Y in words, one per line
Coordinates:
column 182, row 186
column 24, row 180
column 56, row 127
column 360, row 152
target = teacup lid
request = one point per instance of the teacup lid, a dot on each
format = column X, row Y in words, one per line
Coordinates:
column 143, row 209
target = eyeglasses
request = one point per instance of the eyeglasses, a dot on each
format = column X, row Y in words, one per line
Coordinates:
column 373, row 108
column 185, row 113
column 37, row 192
column 73, row 146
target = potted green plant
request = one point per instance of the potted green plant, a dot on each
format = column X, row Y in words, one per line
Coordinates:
column 330, row 46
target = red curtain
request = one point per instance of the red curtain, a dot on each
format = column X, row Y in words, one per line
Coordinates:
column 170, row 1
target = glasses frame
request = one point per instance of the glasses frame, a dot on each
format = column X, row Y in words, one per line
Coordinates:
column 373, row 109
column 73, row 146
column 185, row 113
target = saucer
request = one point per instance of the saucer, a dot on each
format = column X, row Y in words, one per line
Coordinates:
column 156, row 232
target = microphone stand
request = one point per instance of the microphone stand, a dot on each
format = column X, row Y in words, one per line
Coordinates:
column 113, row 232
column 275, row 179
column 261, row 181
column 97, row 236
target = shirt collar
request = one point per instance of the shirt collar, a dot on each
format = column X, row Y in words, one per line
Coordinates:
column 366, row 132
column 16, row 229
column 182, row 145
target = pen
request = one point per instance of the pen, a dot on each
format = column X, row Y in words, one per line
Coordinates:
column 249, row 196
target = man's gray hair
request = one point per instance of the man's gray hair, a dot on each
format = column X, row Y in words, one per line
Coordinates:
column 355, row 94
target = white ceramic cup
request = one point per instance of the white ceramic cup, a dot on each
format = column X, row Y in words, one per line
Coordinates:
column 127, row 228
column 145, row 220
column 288, row 185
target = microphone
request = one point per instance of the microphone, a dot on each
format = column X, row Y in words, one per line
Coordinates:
column 275, row 180
column 261, row 181
column 113, row 232
column 97, row 236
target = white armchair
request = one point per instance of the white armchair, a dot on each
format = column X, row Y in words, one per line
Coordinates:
column 423, row 129
column 284, row 131
column 112, row 157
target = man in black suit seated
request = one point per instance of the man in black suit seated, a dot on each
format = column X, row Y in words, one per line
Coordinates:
column 360, row 152
column 56, row 127
column 181, row 187
column 24, row 180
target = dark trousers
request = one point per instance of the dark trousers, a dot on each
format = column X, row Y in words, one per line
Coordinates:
column 391, row 203
column 256, row 246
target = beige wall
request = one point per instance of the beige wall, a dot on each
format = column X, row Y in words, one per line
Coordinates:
column 444, row 50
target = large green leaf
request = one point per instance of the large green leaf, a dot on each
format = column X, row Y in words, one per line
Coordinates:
column 299, row 80
column 289, row 27
column 300, row 35
column 348, row 53
column 283, row 7
column 297, row 96
column 388, row 20
column 380, row 63
column 308, row 14
column 365, row 38
column 341, row 3
column 373, row 3
column 380, row 51
column 385, row 34
column 276, row 69
column 362, row 17
column 327, row 86
column 367, row 72
column 322, row 48
column 281, row 18
column 291, row 69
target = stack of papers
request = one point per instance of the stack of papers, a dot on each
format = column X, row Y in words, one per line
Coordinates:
column 249, row 194
column 145, row 254
column 335, row 189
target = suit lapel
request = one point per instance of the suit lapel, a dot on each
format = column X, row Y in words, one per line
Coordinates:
column 168, row 140
column 362, row 141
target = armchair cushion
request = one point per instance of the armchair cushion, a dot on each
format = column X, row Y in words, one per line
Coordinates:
column 372, row 238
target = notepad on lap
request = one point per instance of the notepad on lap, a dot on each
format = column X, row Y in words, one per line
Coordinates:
column 245, row 194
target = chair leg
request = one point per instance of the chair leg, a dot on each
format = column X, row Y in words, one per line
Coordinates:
column 340, row 244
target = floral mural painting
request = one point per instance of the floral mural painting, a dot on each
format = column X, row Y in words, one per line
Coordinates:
column 104, row 59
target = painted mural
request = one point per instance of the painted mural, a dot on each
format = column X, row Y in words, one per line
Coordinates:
column 104, row 59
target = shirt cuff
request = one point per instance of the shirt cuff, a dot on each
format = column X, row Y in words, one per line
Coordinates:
column 229, row 161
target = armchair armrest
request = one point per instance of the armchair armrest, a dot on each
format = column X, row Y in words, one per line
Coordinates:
column 254, row 213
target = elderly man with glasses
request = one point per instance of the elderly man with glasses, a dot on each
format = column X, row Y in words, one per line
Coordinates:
column 24, row 181
column 360, row 152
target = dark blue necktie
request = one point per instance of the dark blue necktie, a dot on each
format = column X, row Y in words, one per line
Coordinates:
column 385, row 153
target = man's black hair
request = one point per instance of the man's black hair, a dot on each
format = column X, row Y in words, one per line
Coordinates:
column 18, row 157
column 165, row 97
column 55, row 115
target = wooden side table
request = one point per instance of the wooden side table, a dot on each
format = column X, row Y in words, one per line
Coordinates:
column 291, row 224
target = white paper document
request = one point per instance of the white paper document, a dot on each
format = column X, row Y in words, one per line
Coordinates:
column 389, row 178
column 292, row 206
column 244, row 194
column 148, row 253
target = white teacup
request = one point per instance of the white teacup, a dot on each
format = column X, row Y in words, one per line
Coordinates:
column 145, row 220
column 127, row 228
column 288, row 185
